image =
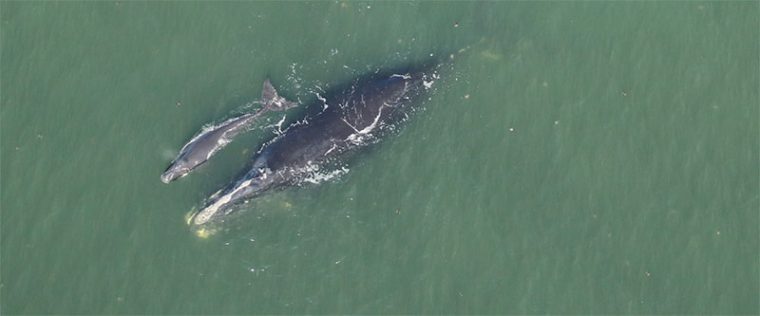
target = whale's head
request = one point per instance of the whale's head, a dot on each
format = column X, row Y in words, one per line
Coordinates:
column 179, row 168
column 255, row 181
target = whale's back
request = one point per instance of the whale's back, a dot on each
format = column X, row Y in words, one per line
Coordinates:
column 357, row 116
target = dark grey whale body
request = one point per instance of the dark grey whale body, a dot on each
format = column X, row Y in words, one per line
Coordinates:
column 352, row 117
column 206, row 143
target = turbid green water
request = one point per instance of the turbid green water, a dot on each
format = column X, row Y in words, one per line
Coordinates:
column 580, row 157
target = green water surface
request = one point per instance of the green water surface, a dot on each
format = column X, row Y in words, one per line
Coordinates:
column 577, row 157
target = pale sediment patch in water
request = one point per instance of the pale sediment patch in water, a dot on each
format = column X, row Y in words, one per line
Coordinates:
column 200, row 232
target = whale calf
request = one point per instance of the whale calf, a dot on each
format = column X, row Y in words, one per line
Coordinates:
column 209, row 141
column 351, row 117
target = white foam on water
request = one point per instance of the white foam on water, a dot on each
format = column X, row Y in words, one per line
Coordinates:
column 293, row 77
column 323, row 99
column 316, row 176
column 279, row 125
column 360, row 136
column 320, row 97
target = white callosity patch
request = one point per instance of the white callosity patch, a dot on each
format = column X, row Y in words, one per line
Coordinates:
column 204, row 215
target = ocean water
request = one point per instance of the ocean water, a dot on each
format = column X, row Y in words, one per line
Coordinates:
column 576, row 157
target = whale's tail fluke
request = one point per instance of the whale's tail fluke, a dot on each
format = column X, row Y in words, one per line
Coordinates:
column 272, row 100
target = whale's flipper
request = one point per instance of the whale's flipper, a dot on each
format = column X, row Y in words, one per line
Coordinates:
column 274, row 101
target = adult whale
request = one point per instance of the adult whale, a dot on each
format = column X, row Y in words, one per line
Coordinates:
column 351, row 117
column 209, row 141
